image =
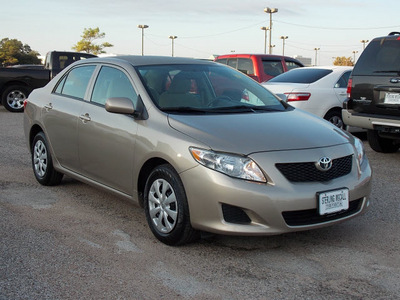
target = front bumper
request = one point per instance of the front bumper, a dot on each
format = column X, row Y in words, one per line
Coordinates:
column 260, row 208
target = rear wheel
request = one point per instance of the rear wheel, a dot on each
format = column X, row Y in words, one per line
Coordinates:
column 380, row 144
column 166, row 207
column 42, row 162
column 13, row 98
column 335, row 117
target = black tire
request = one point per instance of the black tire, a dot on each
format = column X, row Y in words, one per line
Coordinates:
column 13, row 98
column 168, row 220
column 380, row 144
column 42, row 162
column 335, row 117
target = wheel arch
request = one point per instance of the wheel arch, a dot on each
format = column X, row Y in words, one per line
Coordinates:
column 144, row 173
column 14, row 82
column 32, row 133
column 333, row 109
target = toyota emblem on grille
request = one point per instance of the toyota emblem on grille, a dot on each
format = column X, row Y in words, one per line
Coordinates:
column 324, row 164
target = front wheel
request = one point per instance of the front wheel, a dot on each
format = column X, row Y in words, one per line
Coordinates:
column 13, row 98
column 166, row 207
column 42, row 163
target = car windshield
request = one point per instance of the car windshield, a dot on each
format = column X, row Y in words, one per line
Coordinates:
column 301, row 75
column 205, row 88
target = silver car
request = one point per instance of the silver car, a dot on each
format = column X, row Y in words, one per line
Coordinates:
column 201, row 146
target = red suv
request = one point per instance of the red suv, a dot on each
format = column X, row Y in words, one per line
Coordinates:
column 260, row 67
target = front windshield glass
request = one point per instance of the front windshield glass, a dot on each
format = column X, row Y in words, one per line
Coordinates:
column 205, row 89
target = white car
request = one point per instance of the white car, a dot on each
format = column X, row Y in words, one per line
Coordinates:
column 319, row 90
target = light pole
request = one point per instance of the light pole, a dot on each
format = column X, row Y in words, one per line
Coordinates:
column 316, row 51
column 270, row 11
column 364, row 42
column 143, row 27
column 354, row 56
column 283, row 44
column 172, row 37
column 265, row 38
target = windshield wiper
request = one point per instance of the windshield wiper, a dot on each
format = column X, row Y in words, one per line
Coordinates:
column 184, row 109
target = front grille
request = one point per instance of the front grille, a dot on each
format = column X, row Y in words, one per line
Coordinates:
column 311, row 216
column 234, row 214
column 308, row 172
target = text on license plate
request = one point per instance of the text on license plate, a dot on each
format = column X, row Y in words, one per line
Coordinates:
column 333, row 201
column 392, row 98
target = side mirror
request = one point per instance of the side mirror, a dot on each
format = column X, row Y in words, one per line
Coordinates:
column 120, row 105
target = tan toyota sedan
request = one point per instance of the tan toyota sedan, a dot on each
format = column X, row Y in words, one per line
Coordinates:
column 201, row 146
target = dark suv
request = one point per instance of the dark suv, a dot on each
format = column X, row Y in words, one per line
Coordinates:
column 374, row 93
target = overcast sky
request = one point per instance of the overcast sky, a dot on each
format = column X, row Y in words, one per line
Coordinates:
column 203, row 27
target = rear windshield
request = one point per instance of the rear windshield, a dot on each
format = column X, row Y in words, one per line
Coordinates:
column 380, row 57
column 301, row 75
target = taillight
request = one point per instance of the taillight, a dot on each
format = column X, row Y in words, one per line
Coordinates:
column 349, row 88
column 25, row 103
column 297, row 96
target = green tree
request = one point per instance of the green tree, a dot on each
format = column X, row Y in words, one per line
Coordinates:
column 343, row 61
column 86, row 43
column 13, row 52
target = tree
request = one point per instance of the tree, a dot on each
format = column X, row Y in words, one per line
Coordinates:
column 13, row 52
column 86, row 43
column 343, row 61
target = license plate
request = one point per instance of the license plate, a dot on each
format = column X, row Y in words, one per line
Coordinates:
column 333, row 201
column 392, row 98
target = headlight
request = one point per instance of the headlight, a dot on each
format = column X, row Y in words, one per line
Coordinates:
column 231, row 165
column 360, row 152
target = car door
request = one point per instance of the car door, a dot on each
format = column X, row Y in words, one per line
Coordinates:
column 60, row 115
column 106, row 140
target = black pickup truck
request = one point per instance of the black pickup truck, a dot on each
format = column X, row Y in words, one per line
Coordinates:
column 17, row 82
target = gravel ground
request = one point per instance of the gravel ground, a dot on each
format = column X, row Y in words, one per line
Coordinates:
column 76, row 242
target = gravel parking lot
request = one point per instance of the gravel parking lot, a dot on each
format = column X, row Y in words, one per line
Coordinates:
column 76, row 242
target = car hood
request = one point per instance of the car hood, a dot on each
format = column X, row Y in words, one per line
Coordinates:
column 258, row 132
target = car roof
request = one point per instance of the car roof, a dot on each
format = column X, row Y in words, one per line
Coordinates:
column 136, row 60
column 252, row 54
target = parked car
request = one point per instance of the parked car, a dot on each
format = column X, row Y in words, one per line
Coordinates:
column 319, row 90
column 374, row 93
column 201, row 146
column 260, row 67
column 17, row 82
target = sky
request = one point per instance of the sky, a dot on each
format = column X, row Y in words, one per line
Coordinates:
column 203, row 27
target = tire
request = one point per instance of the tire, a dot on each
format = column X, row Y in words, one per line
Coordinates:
column 380, row 144
column 166, row 207
column 335, row 117
column 42, row 162
column 13, row 98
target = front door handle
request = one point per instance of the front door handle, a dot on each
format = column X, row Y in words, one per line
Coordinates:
column 85, row 118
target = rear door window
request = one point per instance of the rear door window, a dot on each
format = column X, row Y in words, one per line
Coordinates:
column 272, row 67
column 245, row 65
column 75, row 83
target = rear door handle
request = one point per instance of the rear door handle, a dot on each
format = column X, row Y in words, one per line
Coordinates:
column 48, row 106
column 85, row 118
